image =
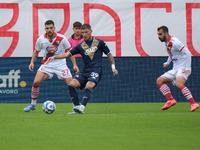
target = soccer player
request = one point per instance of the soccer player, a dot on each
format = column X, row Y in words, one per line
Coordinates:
column 181, row 58
column 92, row 50
column 51, row 44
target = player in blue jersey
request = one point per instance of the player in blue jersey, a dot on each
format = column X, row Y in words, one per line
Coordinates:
column 92, row 50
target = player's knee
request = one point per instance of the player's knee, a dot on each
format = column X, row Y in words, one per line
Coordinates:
column 68, row 81
column 179, row 84
column 75, row 83
column 90, row 85
column 159, row 81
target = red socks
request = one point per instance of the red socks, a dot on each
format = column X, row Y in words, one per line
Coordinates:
column 164, row 89
column 35, row 92
column 186, row 92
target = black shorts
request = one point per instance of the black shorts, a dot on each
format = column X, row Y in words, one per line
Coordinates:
column 84, row 77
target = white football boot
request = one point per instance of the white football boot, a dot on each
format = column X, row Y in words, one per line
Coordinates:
column 79, row 109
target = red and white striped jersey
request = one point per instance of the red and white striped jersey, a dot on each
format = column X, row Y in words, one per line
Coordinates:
column 58, row 45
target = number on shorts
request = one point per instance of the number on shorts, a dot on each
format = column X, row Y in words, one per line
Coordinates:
column 94, row 75
column 65, row 72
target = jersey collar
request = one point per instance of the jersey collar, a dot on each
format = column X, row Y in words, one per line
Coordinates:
column 76, row 38
column 170, row 38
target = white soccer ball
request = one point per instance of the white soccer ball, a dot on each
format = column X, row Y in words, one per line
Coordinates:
column 49, row 107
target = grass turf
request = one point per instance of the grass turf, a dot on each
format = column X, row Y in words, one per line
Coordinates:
column 110, row 126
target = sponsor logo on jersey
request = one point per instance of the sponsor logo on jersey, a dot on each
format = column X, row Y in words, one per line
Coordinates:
column 52, row 49
column 90, row 51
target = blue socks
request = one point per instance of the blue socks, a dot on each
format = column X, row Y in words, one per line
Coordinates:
column 73, row 94
column 86, row 96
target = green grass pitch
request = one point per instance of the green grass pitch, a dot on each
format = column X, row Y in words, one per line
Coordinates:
column 110, row 126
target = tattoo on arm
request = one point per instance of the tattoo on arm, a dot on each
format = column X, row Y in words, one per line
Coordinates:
column 111, row 59
column 34, row 57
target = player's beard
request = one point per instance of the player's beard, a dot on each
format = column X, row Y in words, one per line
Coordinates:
column 88, row 38
column 163, row 39
column 50, row 34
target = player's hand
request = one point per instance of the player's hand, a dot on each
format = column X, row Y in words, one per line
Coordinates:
column 31, row 67
column 50, row 59
column 115, row 72
column 165, row 65
column 75, row 67
column 187, row 72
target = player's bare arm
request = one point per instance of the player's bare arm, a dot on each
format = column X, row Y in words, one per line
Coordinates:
column 187, row 72
column 34, row 57
column 63, row 55
column 75, row 67
column 112, row 62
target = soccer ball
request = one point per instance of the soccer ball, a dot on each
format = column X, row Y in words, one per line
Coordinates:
column 49, row 107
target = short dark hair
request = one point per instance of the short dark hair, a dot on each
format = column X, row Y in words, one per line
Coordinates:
column 86, row 26
column 48, row 22
column 77, row 24
column 164, row 28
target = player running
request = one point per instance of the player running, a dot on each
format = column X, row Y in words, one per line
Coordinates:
column 181, row 58
column 51, row 44
column 92, row 50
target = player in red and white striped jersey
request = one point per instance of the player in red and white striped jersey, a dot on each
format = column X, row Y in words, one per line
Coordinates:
column 50, row 44
column 181, row 58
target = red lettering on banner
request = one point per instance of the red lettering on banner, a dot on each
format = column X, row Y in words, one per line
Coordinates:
column 117, row 37
column 189, row 7
column 138, row 7
column 36, row 7
column 3, row 29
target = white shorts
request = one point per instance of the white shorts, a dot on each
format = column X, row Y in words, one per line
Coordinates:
column 61, row 71
column 173, row 74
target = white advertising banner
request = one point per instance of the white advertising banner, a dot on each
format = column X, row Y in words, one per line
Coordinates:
column 129, row 27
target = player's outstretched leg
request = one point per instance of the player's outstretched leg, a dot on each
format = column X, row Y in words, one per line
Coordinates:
column 186, row 92
column 86, row 96
column 80, row 108
column 164, row 89
column 73, row 95
column 74, row 98
column 34, row 96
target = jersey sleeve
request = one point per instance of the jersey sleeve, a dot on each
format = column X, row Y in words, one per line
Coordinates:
column 38, row 45
column 75, row 50
column 188, row 58
column 105, row 48
column 178, row 45
column 66, row 44
column 169, row 59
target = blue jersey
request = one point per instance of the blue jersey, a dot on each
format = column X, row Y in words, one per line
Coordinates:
column 92, row 52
